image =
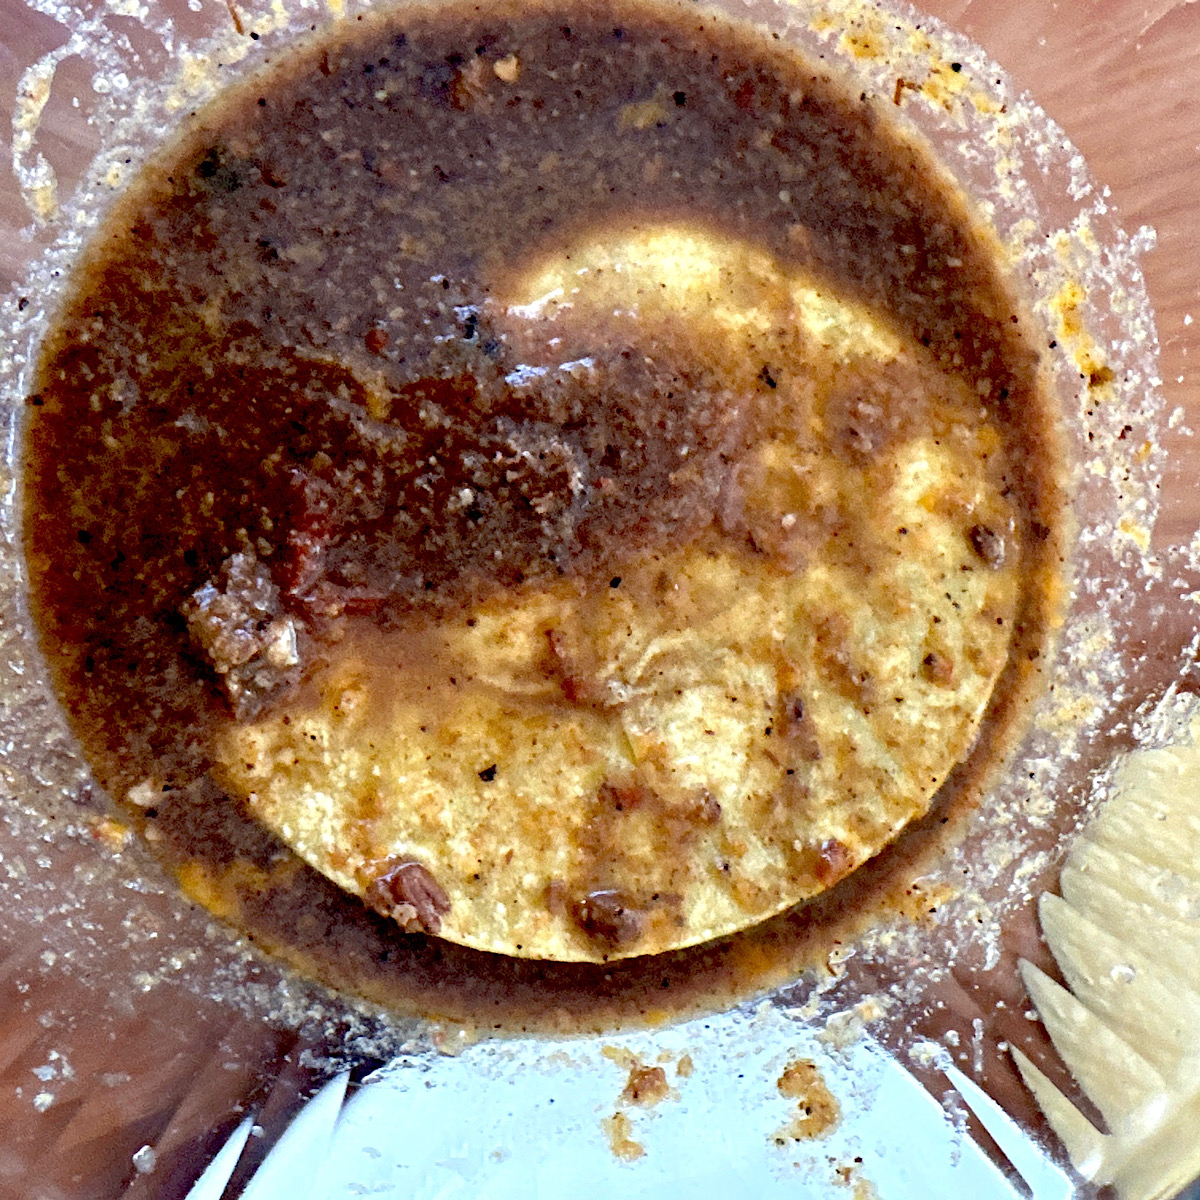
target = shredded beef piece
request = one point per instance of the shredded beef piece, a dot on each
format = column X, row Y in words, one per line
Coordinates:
column 410, row 895
column 833, row 861
column 237, row 622
column 610, row 917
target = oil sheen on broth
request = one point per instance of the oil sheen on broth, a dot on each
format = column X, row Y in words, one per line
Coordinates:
column 568, row 481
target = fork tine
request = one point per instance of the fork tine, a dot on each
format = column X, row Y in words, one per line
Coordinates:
column 1085, row 1144
column 1044, row 1179
column 294, row 1163
column 1130, row 1094
column 216, row 1175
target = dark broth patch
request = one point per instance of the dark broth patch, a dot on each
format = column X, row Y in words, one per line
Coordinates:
column 202, row 396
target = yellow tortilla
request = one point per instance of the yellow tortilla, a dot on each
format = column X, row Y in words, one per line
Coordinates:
column 588, row 772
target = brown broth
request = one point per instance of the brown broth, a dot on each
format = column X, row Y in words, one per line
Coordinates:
column 303, row 226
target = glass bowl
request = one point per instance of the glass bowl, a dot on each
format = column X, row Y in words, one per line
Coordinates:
column 138, row 1036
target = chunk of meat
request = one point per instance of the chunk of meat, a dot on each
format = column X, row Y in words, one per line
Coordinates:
column 237, row 622
column 610, row 917
column 833, row 861
column 410, row 895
